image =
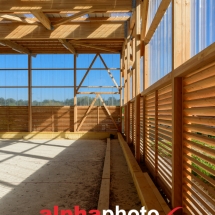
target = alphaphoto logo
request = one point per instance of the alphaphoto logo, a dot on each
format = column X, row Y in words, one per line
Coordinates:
column 118, row 211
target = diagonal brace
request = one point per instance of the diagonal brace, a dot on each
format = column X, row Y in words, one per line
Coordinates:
column 86, row 73
column 108, row 112
column 86, row 114
column 110, row 74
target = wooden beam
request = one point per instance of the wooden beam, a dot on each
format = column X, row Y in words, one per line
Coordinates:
column 132, row 20
column 56, row 19
column 18, row 19
column 15, row 46
column 181, row 32
column 94, row 31
column 125, row 73
column 177, row 139
column 144, row 15
column 97, row 93
column 156, row 135
column 66, row 5
column 155, row 22
column 70, row 18
column 121, row 65
column 68, row 46
column 75, row 96
column 108, row 112
column 109, row 72
column 87, row 72
column 29, row 94
column 136, row 52
column 137, row 132
column 159, row 84
column 42, row 18
column 86, row 114
column 92, row 46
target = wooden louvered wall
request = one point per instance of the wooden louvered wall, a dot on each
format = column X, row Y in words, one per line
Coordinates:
column 58, row 118
column 98, row 118
column 184, row 117
column 13, row 118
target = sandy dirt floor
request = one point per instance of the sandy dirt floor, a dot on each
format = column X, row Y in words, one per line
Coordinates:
column 39, row 174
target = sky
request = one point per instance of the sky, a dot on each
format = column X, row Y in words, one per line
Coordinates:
column 47, row 70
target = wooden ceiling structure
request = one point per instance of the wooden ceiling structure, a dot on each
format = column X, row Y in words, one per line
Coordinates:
column 63, row 26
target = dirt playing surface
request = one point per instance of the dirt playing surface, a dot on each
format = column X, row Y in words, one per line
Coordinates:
column 38, row 174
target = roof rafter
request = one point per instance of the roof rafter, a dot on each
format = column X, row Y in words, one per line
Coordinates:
column 18, row 19
column 67, row 19
column 15, row 46
column 68, row 46
column 42, row 18
column 94, row 47
column 94, row 30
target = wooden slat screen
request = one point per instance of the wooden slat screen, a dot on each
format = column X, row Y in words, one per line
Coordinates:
column 101, row 122
column 150, row 132
column 164, row 160
column 141, row 129
column 131, row 122
column 134, row 124
column 14, row 118
column 199, row 142
column 52, row 119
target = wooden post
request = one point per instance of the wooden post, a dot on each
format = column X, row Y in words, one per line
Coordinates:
column 146, row 68
column 128, row 70
column 156, row 135
column 137, row 79
column 29, row 94
column 75, row 96
column 128, row 125
column 144, row 153
column 134, row 68
column 52, row 120
column 137, row 137
column 121, row 80
column 181, row 53
column 181, row 31
column 177, row 134
column 98, row 118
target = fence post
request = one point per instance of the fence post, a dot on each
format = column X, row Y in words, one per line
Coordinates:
column 156, row 134
column 177, row 140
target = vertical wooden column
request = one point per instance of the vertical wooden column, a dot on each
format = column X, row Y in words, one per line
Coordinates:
column 98, row 118
column 125, row 89
column 181, row 31
column 128, row 89
column 144, row 121
column 121, row 103
column 181, row 53
column 121, row 68
column 75, row 96
column 146, row 68
column 177, row 139
column 134, row 66
column 137, row 79
column 29, row 93
column 137, row 133
column 128, row 127
column 128, row 70
column 156, row 135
